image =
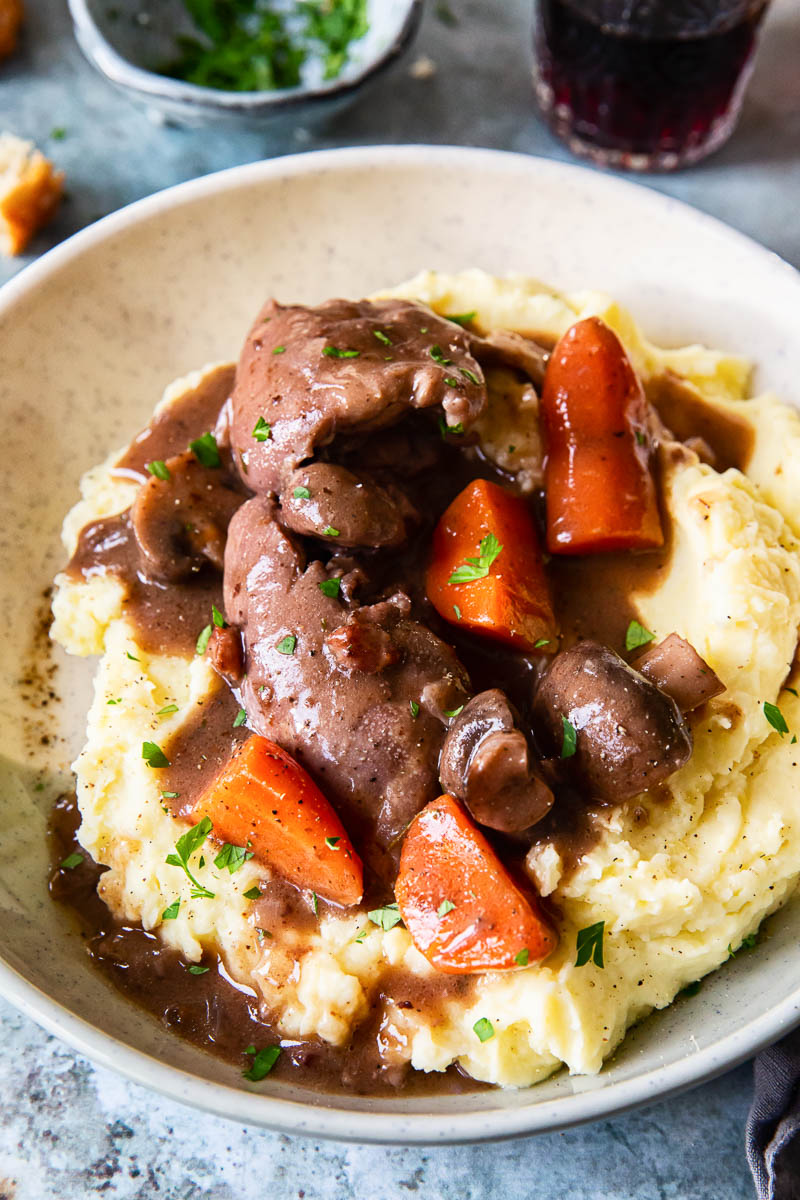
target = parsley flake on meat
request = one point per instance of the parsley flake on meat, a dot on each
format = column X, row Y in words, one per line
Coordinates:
column 444, row 908
column 217, row 618
column 329, row 531
column 590, row 945
column 240, row 718
column 287, row 644
column 461, row 318
column 381, row 336
column 203, row 640
column 158, row 468
column 412, row 704
column 262, row 430
column 470, row 375
column 330, row 587
column 478, row 568
column 301, row 493
column 185, row 847
column 331, row 842
column 335, row 352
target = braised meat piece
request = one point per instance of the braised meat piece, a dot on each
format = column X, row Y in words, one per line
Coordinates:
column 307, row 375
column 370, row 737
column 488, row 763
column 326, row 501
column 630, row 735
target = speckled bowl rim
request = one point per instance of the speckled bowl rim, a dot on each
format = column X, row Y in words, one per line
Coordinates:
column 297, row 1117
column 149, row 85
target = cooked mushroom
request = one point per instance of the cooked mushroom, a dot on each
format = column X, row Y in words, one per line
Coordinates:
column 323, row 497
column 487, row 762
column 506, row 348
column 675, row 666
column 181, row 522
column 630, row 735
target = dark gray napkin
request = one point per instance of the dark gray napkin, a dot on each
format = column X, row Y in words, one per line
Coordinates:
column 773, row 1127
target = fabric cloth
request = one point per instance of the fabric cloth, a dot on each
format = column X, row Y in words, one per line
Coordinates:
column 773, row 1125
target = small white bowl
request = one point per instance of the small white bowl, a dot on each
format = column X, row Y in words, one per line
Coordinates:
column 124, row 40
column 90, row 335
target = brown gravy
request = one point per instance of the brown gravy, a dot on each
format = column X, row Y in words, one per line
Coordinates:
column 684, row 411
column 592, row 599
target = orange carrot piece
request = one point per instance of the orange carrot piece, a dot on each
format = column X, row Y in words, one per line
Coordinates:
column 511, row 601
column 601, row 495
column 462, row 908
column 264, row 800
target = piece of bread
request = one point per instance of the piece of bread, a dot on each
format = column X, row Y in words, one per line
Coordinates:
column 30, row 191
column 11, row 14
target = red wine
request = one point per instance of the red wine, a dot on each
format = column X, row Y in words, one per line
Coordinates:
column 644, row 85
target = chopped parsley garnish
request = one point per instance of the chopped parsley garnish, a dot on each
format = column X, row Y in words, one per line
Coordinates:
column 301, row 493
column 381, row 336
column 478, row 568
column 453, row 712
column 412, row 704
column 362, row 935
column 315, row 903
column 450, row 381
column 203, row 640
column 194, row 969
column 240, row 718
column 569, row 739
column 232, row 857
column 460, row 318
column 330, row 587
column 334, row 27
column 329, row 531
column 387, row 917
column 457, row 611
column 158, row 468
column 640, row 438
column 590, row 945
column 154, row 756
column 185, row 847
column 331, row 842
column 242, row 47
column 636, row 635
column 263, row 1063
column 170, row 913
column 444, row 908
column 217, row 618
column 117, row 701
column 279, row 350
column 438, row 356
column 775, row 718
column 250, row 1049
column 261, row 934
column 521, row 958
column 287, row 644
column 470, row 375
column 132, row 657
column 537, row 645
column 72, row 861
column 483, row 1029
column 206, row 451
column 262, row 430
column 168, row 708
column 747, row 943
column 254, row 893
column 792, row 691
column 335, row 352
column 444, row 428
column 58, row 134
column 170, row 795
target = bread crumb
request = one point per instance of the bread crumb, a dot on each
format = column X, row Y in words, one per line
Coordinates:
column 30, row 191
column 422, row 68
column 11, row 15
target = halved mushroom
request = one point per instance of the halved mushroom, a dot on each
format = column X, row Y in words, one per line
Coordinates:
column 181, row 522
column 323, row 497
column 675, row 666
column 630, row 736
column 487, row 762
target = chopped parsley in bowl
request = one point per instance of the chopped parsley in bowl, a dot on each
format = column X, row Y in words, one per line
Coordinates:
column 245, row 60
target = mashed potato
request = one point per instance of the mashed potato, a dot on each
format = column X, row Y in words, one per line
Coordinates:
column 676, row 892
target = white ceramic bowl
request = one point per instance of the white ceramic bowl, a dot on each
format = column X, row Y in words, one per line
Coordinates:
column 125, row 39
column 92, row 332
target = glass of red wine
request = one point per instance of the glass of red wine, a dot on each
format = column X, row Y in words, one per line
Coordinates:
column 645, row 85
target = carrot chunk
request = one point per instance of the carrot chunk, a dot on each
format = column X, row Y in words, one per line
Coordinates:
column 462, row 908
column 601, row 495
column 264, row 800
column 486, row 571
